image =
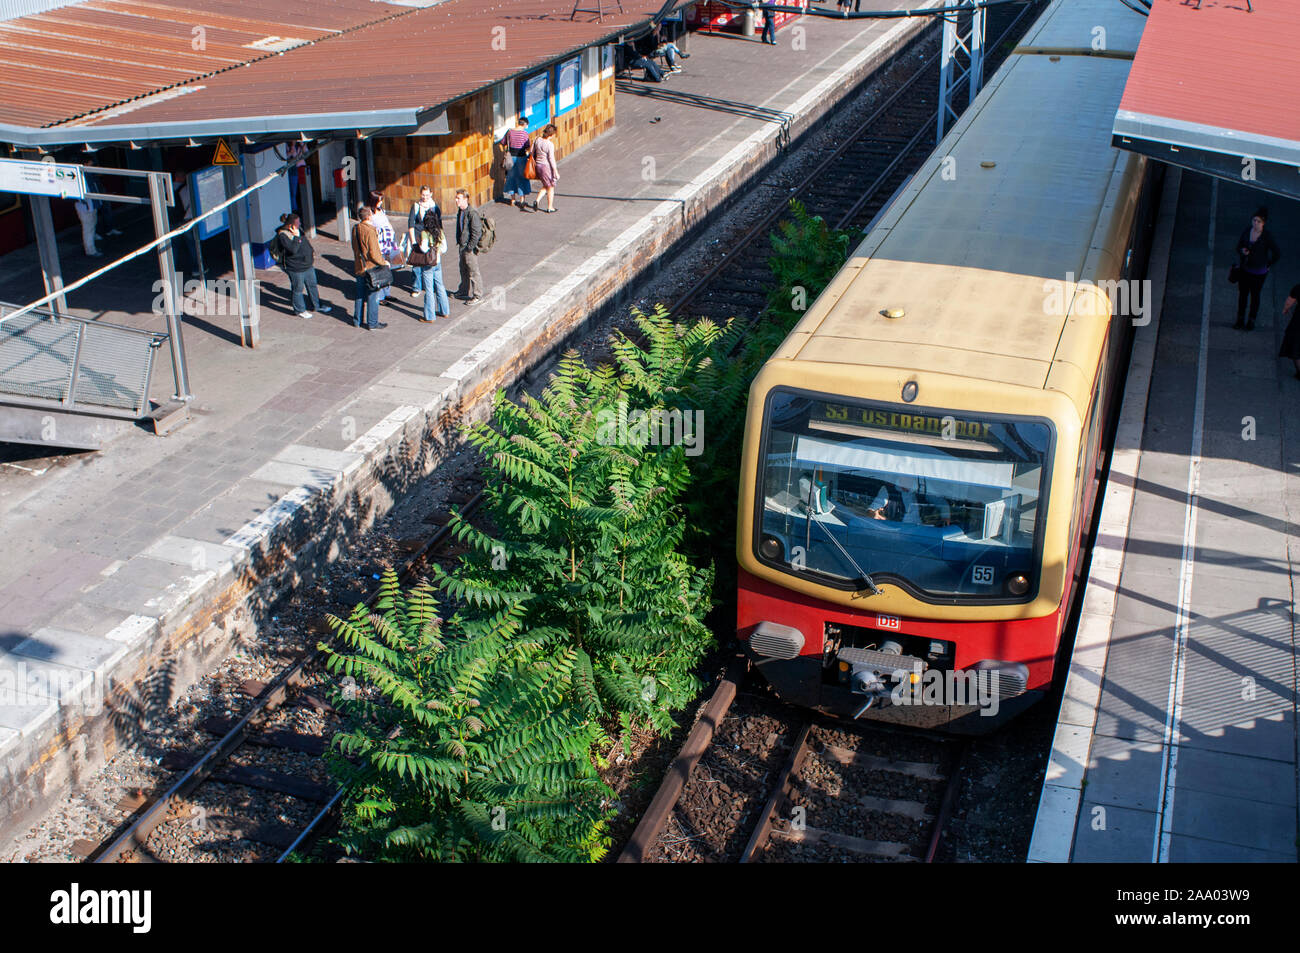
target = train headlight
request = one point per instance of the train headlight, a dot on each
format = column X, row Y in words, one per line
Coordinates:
column 1018, row 584
column 770, row 548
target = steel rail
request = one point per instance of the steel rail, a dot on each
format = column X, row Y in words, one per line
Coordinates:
column 764, row 225
column 679, row 772
column 134, row 838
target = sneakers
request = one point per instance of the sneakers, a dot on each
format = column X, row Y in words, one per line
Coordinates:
column 416, row 292
column 325, row 308
column 305, row 315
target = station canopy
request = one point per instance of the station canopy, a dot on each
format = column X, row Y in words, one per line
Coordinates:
column 104, row 72
column 1215, row 87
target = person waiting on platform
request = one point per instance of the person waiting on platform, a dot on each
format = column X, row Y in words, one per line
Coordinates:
column 366, row 255
column 1257, row 252
column 517, row 145
column 636, row 60
column 669, row 51
column 294, row 254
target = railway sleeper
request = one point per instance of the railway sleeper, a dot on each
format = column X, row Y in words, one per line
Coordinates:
column 924, row 770
column 259, row 778
column 889, row 850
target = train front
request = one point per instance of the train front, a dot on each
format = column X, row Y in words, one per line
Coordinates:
column 904, row 559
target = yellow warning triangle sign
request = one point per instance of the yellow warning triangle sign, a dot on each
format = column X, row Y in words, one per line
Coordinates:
column 224, row 155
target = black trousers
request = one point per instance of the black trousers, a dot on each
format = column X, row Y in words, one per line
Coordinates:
column 1248, row 287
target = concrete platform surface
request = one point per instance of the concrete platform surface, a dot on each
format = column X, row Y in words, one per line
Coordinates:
column 1177, row 735
column 154, row 554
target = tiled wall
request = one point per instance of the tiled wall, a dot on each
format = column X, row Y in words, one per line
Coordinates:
column 467, row 157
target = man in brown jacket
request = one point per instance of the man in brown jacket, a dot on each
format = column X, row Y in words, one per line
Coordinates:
column 366, row 255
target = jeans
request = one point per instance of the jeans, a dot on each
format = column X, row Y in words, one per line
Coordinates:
column 367, row 299
column 430, row 279
column 516, row 183
column 300, row 281
column 769, row 30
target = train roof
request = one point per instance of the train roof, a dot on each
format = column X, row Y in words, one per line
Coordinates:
column 970, row 248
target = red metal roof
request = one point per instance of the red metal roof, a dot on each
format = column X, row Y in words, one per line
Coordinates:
column 111, row 62
column 65, row 63
column 1220, row 78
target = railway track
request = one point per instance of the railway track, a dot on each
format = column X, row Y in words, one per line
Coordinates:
column 852, row 184
column 267, row 762
column 841, row 793
column 835, row 785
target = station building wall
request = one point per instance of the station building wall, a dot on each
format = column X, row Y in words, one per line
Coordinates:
column 467, row 156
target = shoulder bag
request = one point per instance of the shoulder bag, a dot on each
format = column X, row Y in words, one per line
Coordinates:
column 378, row 277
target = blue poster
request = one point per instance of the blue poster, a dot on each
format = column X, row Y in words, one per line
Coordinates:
column 535, row 100
column 567, row 77
column 207, row 189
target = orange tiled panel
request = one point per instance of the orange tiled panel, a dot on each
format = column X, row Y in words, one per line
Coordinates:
column 467, row 156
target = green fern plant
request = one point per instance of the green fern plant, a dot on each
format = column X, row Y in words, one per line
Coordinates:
column 589, row 516
column 465, row 743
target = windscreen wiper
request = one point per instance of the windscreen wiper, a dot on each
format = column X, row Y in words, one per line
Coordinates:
column 862, row 573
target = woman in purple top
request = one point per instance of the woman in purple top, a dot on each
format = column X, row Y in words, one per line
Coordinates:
column 544, row 159
column 517, row 147
column 1257, row 252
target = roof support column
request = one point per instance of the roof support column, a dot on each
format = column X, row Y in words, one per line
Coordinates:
column 307, row 202
column 51, row 270
column 250, row 332
column 159, row 201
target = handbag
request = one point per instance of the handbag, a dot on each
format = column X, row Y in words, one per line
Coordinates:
column 530, row 168
column 419, row 256
column 1233, row 274
column 378, row 277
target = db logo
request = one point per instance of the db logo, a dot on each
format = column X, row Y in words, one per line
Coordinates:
column 888, row 622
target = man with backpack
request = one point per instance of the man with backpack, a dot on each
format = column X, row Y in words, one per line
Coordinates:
column 469, row 242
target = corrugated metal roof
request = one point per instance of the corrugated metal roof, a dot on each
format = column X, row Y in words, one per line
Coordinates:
column 1219, row 78
column 65, row 63
column 70, row 66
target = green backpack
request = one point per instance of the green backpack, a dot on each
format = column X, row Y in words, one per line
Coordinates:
column 489, row 236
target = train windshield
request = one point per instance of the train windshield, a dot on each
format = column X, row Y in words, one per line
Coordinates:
column 945, row 505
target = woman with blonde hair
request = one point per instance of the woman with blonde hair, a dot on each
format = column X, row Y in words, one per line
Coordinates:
column 544, row 159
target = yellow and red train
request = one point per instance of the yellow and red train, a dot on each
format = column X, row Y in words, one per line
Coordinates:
column 922, row 453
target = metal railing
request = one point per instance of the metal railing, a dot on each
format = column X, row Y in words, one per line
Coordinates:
column 75, row 364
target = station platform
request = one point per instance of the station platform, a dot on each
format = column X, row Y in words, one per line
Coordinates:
column 1176, row 740
column 130, row 571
